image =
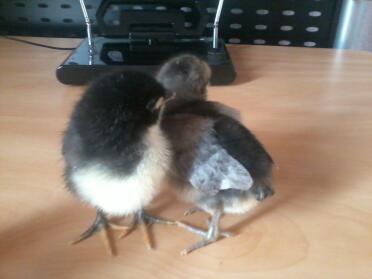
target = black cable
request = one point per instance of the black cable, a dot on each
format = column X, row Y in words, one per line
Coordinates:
column 37, row 44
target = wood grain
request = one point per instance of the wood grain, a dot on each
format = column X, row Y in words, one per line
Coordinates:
column 310, row 107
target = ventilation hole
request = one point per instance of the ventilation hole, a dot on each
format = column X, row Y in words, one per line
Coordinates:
column 210, row 25
column 67, row 20
column 286, row 28
column 234, row 40
column 236, row 11
column 89, row 7
column 309, row 44
column 115, row 56
column 42, row 5
column 114, row 8
column 262, row 12
column 260, row 27
column 161, row 8
column 188, row 24
column 137, row 8
column 312, row 29
column 186, row 9
column 23, row 19
column 45, row 19
column 65, row 6
column 259, row 42
column 288, row 13
column 284, row 43
column 211, row 10
column 19, row 4
column 235, row 26
column 315, row 13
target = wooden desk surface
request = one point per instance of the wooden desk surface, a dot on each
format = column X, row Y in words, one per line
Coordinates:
column 312, row 109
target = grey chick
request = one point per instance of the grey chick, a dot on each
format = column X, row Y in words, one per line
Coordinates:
column 186, row 77
column 218, row 164
column 115, row 153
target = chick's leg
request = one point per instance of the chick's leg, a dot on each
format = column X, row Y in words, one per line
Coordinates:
column 144, row 220
column 212, row 235
column 156, row 220
column 196, row 230
column 102, row 225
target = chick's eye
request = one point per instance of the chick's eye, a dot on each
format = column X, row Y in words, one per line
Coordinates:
column 151, row 104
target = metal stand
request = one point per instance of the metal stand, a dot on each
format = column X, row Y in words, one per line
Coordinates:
column 144, row 40
column 88, row 23
column 216, row 24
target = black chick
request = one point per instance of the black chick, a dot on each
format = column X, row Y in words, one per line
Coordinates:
column 218, row 164
column 115, row 153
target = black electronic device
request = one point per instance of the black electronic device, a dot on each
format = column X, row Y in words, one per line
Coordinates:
column 141, row 35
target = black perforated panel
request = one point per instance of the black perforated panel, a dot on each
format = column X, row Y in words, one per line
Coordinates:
column 309, row 23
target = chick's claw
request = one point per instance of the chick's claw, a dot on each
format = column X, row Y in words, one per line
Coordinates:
column 191, row 211
column 101, row 225
column 197, row 245
column 145, row 220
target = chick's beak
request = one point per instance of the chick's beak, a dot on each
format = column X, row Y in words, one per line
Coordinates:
column 162, row 101
column 170, row 97
column 159, row 103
